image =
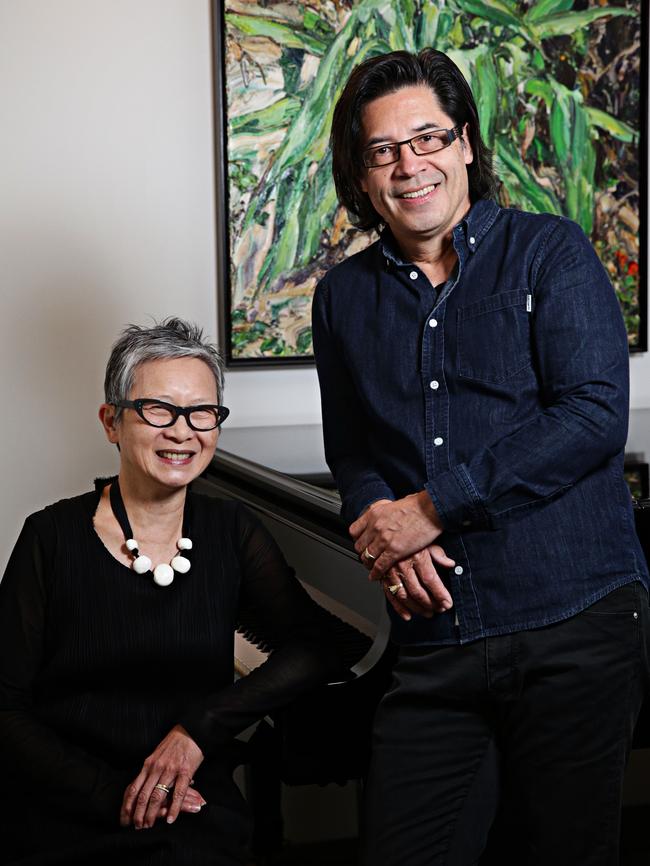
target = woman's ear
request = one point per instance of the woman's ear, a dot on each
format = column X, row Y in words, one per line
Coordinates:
column 109, row 422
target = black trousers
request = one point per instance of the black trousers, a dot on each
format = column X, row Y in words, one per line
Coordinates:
column 533, row 727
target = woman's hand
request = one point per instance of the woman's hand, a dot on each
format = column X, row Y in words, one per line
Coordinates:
column 171, row 765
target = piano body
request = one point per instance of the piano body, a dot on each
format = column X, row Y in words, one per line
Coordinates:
column 280, row 473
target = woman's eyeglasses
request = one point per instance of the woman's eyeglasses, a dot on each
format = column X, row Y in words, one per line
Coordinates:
column 157, row 413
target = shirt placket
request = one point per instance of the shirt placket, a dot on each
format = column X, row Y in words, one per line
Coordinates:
column 437, row 425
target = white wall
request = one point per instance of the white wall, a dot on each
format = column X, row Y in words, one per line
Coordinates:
column 107, row 217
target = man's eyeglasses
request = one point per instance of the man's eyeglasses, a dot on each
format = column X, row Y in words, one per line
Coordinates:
column 157, row 413
column 427, row 142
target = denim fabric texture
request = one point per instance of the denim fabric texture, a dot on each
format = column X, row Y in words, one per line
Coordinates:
column 505, row 396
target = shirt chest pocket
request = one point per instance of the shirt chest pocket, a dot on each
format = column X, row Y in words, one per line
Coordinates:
column 493, row 337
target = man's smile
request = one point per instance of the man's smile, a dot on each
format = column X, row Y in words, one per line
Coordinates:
column 419, row 193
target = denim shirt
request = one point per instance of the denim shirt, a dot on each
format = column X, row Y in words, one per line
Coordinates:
column 505, row 397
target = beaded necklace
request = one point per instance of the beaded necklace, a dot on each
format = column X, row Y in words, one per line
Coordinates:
column 163, row 573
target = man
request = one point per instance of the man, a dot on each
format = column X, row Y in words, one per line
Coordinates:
column 474, row 376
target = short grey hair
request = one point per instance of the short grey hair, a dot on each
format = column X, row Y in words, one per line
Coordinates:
column 171, row 338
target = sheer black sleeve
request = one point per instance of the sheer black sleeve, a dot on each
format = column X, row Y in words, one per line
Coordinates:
column 35, row 758
column 285, row 615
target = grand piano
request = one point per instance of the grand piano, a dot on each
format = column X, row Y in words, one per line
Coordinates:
column 281, row 474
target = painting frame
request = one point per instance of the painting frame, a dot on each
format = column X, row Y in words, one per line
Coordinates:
column 227, row 327
column 222, row 198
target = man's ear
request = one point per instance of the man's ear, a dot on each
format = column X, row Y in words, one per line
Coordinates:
column 109, row 422
column 468, row 153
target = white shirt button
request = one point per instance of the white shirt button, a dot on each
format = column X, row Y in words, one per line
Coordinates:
column 433, row 323
column 434, row 385
column 458, row 569
column 472, row 240
column 413, row 275
column 438, row 440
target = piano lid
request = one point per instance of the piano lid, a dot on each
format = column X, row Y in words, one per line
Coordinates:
column 296, row 450
column 293, row 449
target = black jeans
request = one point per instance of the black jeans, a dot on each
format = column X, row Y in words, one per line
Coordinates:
column 535, row 726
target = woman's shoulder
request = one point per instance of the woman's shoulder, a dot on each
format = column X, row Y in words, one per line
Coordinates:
column 54, row 520
column 67, row 508
column 215, row 508
column 223, row 516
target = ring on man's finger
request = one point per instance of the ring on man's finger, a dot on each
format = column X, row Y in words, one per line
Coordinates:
column 164, row 788
column 367, row 555
column 395, row 588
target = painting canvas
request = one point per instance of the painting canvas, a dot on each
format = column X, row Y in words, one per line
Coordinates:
column 637, row 475
column 560, row 86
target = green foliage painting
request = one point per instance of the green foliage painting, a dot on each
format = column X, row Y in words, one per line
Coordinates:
column 557, row 83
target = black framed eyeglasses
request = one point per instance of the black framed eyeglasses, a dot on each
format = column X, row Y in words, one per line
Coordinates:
column 426, row 142
column 157, row 413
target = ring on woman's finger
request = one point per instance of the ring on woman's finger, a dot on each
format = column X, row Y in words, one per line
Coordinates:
column 164, row 788
column 395, row 588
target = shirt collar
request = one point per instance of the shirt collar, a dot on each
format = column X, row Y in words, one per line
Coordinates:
column 478, row 222
column 389, row 249
column 472, row 228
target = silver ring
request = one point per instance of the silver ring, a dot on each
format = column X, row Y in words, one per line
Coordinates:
column 367, row 555
column 395, row 588
column 164, row 788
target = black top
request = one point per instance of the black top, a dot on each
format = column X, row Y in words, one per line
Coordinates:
column 97, row 663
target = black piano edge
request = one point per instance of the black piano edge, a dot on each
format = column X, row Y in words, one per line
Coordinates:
column 280, row 495
column 315, row 511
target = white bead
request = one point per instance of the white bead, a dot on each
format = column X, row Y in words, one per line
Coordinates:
column 142, row 564
column 163, row 574
column 184, row 544
column 181, row 564
column 132, row 544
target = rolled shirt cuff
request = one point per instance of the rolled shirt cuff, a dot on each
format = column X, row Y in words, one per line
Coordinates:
column 457, row 501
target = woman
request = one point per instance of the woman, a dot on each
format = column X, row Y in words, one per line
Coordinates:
column 117, row 614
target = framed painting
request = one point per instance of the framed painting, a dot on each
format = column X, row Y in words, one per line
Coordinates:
column 561, row 90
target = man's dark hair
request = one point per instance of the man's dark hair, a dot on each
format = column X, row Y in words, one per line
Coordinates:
column 388, row 73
